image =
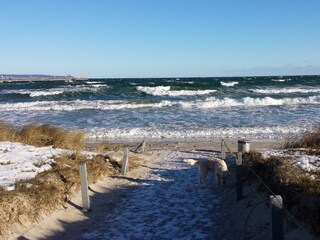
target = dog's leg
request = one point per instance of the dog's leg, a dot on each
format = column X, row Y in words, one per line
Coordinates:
column 219, row 179
column 203, row 170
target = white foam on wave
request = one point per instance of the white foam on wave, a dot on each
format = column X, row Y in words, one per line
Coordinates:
column 228, row 84
column 286, row 90
column 79, row 105
column 209, row 103
column 35, row 93
column 271, row 132
column 213, row 102
column 57, row 91
column 165, row 91
column 87, row 88
column 280, row 80
column 93, row 82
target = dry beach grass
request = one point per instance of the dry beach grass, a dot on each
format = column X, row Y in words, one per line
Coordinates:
column 299, row 188
column 50, row 190
column 43, row 135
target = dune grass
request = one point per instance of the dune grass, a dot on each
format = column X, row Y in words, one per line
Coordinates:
column 43, row 135
column 51, row 190
column 309, row 140
column 299, row 189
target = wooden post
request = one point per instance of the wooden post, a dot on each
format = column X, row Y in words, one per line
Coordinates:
column 84, row 187
column 239, row 175
column 276, row 217
column 223, row 153
column 144, row 147
column 125, row 162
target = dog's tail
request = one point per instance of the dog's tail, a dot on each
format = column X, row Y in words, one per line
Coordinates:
column 191, row 161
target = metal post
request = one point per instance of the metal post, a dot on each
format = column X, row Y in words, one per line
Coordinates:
column 244, row 146
column 223, row 153
column 276, row 217
column 84, row 187
column 125, row 162
column 239, row 175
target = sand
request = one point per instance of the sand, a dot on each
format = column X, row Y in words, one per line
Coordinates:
column 163, row 200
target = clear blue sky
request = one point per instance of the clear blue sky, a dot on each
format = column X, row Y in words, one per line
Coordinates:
column 160, row 38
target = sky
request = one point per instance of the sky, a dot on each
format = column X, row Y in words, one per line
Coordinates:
column 160, row 38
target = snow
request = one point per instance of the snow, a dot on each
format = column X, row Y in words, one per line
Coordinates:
column 166, row 203
column 300, row 159
column 20, row 161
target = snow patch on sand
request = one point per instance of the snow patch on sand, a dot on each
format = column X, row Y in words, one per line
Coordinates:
column 19, row 161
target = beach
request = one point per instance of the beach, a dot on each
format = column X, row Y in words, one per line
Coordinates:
column 162, row 199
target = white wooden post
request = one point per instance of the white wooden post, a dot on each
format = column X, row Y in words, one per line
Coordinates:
column 125, row 162
column 144, row 147
column 84, row 187
column 223, row 152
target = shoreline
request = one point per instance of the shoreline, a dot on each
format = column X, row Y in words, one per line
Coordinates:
column 42, row 80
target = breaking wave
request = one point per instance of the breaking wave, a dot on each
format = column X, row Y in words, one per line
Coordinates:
column 165, row 91
column 280, row 80
column 79, row 105
column 57, row 91
column 228, row 84
column 286, row 90
column 248, row 102
column 209, row 103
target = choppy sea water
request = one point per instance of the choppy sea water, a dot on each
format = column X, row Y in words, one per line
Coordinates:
column 168, row 108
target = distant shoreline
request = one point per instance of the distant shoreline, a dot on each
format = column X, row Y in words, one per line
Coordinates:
column 42, row 79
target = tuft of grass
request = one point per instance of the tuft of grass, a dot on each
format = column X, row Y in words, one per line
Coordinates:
column 43, row 135
column 309, row 140
column 49, row 190
column 134, row 162
column 299, row 188
column 7, row 133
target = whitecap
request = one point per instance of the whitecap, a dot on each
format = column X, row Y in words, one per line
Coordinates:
column 79, row 105
column 165, row 91
column 213, row 102
column 281, row 80
column 286, row 90
column 228, row 84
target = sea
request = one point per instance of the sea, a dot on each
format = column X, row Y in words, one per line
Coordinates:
column 190, row 109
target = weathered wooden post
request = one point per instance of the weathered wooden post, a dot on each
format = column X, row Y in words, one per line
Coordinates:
column 239, row 175
column 144, row 147
column 223, row 152
column 276, row 217
column 84, row 187
column 125, row 162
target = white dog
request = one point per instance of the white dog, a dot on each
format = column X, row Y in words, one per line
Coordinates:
column 217, row 166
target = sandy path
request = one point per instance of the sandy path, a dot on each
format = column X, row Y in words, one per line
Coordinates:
column 167, row 203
